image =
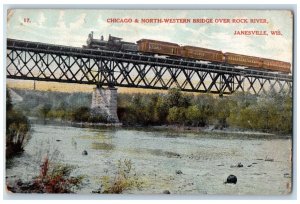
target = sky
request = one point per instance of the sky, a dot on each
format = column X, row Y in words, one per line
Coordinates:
column 72, row 26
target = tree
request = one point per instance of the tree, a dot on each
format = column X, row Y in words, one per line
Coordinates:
column 193, row 115
column 176, row 98
column 17, row 128
column 44, row 110
column 8, row 101
column 222, row 112
column 81, row 114
column 177, row 115
column 161, row 110
column 206, row 105
column 61, row 111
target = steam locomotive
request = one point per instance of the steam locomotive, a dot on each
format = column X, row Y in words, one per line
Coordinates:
column 154, row 47
column 112, row 44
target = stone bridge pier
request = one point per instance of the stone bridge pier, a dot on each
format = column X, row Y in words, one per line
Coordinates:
column 104, row 103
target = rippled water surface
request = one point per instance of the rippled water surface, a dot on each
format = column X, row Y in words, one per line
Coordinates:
column 205, row 160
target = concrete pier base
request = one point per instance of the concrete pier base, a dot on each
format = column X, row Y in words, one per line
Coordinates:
column 104, row 103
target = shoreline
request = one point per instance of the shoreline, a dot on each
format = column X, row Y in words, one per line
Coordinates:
column 172, row 128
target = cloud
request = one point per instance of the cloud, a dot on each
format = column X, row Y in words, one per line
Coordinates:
column 42, row 19
column 73, row 31
column 78, row 23
column 61, row 22
column 279, row 47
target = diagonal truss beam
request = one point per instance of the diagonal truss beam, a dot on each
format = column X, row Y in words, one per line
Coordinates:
column 131, row 70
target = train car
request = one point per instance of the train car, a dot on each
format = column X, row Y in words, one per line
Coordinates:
column 243, row 60
column 158, row 47
column 199, row 53
column 152, row 47
column 275, row 65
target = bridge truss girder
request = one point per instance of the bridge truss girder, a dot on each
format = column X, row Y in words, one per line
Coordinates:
column 131, row 70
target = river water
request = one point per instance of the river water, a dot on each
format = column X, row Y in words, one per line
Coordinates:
column 183, row 163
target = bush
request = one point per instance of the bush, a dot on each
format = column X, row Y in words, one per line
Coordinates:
column 124, row 179
column 17, row 130
column 177, row 115
column 81, row 114
column 43, row 111
column 194, row 116
column 222, row 112
column 176, row 98
column 56, row 178
column 53, row 178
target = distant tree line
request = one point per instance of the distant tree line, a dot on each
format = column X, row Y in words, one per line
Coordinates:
column 270, row 112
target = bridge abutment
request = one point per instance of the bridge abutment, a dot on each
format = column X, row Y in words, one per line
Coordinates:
column 104, row 103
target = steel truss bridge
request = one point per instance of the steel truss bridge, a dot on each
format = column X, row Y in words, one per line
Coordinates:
column 47, row 62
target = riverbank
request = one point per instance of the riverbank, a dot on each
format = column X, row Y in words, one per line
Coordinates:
column 211, row 131
column 174, row 161
column 72, row 123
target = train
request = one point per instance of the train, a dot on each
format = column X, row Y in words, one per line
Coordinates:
column 173, row 50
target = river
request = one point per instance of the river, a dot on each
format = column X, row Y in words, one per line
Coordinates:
column 183, row 163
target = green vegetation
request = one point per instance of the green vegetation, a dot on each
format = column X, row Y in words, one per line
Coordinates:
column 123, row 179
column 56, row 105
column 269, row 113
column 43, row 111
column 17, row 129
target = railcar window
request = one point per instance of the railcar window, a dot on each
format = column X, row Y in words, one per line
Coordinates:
column 154, row 46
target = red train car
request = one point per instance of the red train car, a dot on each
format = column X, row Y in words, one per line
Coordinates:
column 275, row 65
column 243, row 60
column 158, row 47
column 152, row 47
column 199, row 53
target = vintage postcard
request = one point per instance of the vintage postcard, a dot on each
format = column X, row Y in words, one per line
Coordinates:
column 149, row 101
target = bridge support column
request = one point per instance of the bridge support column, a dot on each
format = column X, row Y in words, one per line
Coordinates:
column 104, row 103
